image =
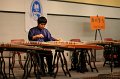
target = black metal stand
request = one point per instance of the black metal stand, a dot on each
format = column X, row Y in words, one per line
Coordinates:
column 59, row 55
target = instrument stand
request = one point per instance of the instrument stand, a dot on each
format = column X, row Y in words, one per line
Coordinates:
column 59, row 55
column 96, row 33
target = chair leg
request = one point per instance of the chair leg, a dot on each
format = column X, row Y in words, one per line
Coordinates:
column 20, row 62
column 11, row 69
column 19, row 59
column 13, row 60
column 104, row 63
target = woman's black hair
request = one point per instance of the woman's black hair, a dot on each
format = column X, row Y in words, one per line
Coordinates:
column 42, row 20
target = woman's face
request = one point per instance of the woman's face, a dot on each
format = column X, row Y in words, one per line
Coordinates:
column 41, row 25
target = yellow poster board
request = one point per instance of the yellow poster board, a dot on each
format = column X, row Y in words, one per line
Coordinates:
column 97, row 22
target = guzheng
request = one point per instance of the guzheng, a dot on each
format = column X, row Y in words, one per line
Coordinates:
column 104, row 43
column 8, row 46
column 64, row 44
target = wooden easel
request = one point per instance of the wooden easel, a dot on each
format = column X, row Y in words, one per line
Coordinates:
column 98, row 30
column 96, row 33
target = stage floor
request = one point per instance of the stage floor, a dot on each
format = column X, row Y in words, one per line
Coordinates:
column 74, row 75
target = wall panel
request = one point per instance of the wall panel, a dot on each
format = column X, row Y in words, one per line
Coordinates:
column 12, row 26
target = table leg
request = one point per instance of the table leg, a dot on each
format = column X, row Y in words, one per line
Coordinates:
column 25, row 75
column 81, row 67
column 2, row 66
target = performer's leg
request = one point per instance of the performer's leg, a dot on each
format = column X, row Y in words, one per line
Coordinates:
column 49, row 59
column 42, row 63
